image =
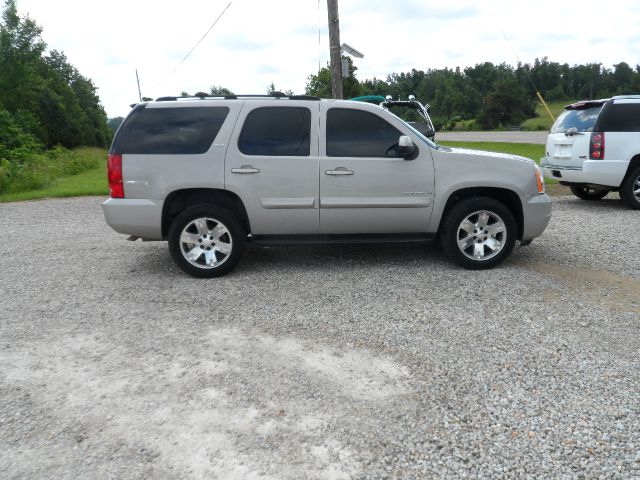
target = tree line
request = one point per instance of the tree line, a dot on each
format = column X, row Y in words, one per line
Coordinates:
column 46, row 107
column 44, row 100
column 493, row 95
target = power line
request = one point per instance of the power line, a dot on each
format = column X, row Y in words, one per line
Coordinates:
column 535, row 88
column 319, row 42
column 195, row 46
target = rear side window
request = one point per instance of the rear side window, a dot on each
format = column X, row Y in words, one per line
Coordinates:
column 187, row 130
column 619, row 117
column 581, row 120
column 276, row 132
column 355, row 133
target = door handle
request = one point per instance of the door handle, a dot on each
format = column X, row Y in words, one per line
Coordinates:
column 339, row 171
column 245, row 169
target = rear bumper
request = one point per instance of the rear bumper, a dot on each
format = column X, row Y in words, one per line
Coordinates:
column 537, row 213
column 597, row 172
column 137, row 217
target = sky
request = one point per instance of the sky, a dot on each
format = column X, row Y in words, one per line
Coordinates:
column 258, row 42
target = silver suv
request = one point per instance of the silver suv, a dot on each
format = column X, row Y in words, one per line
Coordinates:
column 594, row 148
column 211, row 174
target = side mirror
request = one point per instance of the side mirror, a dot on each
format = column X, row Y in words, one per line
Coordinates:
column 406, row 148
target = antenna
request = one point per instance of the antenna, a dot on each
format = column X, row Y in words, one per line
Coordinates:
column 139, row 92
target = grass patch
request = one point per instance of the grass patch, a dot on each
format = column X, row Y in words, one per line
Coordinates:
column 529, row 150
column 63, row 179
column 542, row 121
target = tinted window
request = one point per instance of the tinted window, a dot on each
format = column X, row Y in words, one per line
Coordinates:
column 581, row 120
column 188, row 130
column 620, row 117
column 276, row 131
column 355, row 133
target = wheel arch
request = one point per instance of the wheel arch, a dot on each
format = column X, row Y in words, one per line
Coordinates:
column 633, row 164
column 505, row 196
column 179, row 200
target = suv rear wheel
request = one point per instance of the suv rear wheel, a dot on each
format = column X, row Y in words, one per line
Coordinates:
column 478, row 233
column 630, row 189
column 588, row 193
column 206, row 241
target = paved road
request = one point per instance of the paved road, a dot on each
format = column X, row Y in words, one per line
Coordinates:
column 510, row 137
column 318, row 362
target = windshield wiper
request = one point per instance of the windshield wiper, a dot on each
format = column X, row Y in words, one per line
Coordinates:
column 570, row 132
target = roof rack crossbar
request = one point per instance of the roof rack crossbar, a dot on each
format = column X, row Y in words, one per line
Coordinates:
column 277, row 95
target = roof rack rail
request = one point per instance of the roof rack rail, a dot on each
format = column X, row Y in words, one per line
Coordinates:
column 203, row 96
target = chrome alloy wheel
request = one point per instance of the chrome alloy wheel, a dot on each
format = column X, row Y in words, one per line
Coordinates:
column 636, row 189
column 482, row 235
column 205, row 243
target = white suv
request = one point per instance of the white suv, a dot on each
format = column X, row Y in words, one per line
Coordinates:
column 594, row 148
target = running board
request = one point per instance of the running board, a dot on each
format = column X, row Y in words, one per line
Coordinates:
column 284, row 240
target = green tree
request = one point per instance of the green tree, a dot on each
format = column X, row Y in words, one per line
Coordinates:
column 114, row 123
column 271, row 89
column 507, row 105
column 623, row 77
column 320, row 85
column 217, row 91
column 44, row 93
column 21, row 49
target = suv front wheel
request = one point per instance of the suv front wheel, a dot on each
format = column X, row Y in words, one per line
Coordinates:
column 206, row 241
column 478, row 233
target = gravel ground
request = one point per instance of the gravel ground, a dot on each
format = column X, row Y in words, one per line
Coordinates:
column 318, row 362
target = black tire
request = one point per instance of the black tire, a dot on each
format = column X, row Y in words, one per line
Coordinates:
column 451, row 233
column 629, row 186
column 588, row 193
column 218, row 237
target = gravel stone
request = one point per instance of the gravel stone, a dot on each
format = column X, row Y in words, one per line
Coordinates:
column 318, row 362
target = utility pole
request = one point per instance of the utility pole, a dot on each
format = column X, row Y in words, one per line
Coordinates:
column 334, row 49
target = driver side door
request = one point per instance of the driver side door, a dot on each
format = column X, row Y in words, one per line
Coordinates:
column 365, row 186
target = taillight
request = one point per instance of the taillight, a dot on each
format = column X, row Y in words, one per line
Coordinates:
column 114, row 174
column 596, row 148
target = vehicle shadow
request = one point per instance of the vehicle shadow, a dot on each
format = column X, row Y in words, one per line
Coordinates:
column 155, row 259
column 610, row 202
column 323, row 257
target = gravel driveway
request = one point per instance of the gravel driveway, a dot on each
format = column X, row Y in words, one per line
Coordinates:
column 318, row 362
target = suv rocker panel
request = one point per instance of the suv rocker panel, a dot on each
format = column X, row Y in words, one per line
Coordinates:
column 374, row 238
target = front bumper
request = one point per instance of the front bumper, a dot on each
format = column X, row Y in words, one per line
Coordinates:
column 137, row 217
column 597, row 172
column 537, row 213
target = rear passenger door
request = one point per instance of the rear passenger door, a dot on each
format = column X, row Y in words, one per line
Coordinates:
column 620, row 122
column 272, row 165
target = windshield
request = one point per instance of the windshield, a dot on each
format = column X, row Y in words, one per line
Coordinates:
column 581, row 120
column 431, row 143
column 420, row 135
column 408, row 114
